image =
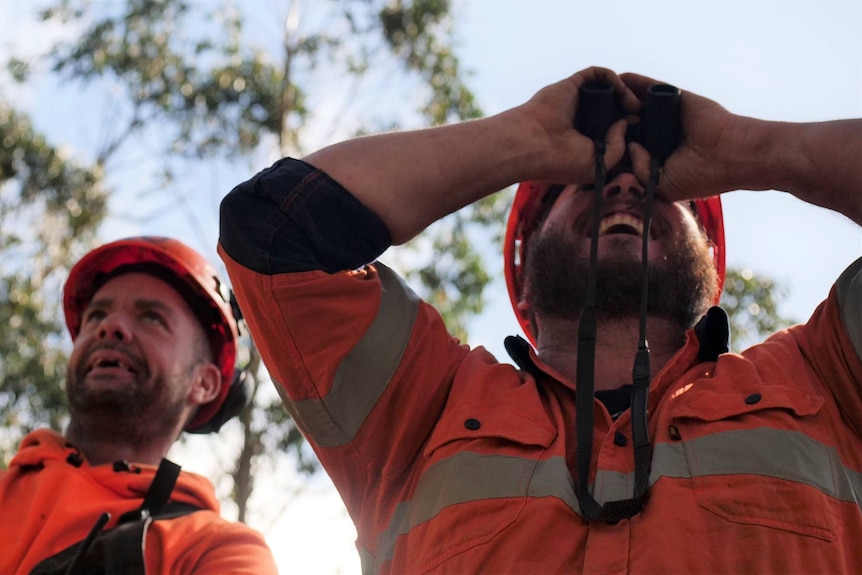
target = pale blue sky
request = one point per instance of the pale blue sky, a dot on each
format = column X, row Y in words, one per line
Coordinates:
column 777, row 60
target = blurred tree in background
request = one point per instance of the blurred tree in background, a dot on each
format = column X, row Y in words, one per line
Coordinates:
column 752, row 302
column 50, row 209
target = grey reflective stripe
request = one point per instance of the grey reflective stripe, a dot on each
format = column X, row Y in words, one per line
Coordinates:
column 764, row 451
column 365, row 372
column 498, row 476
column 769, row 452
column 786, row 455
column 367, row 561
column 849, row 291
column 789, row 455
column 552, row 479
column 668, row 460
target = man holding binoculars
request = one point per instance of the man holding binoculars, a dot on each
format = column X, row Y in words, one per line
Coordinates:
column 630, row 439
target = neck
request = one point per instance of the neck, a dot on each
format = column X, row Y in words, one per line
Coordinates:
column 616, row 344
column 101, row 446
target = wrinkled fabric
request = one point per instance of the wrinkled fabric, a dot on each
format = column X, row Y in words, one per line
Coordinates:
column 50, row 498
column 451, row 462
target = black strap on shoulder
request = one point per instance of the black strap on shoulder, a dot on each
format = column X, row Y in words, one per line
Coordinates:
column 79, row 555
column 120, row 550
column 157, row 495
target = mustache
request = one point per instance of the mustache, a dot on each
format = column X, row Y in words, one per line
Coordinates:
column 136, row 362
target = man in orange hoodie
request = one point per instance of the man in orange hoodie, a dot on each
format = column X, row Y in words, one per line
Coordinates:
column 154, row 354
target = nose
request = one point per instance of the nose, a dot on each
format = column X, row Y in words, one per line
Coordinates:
column 114, row 326
column 623, row 184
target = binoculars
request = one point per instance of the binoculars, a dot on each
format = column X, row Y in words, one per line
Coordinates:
column 658, row 129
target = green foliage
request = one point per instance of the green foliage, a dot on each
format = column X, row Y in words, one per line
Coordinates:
column 42, row 174
column 410, row 28
column 445, row 263
column 18, row 70
column 50, row 207
column 752, row 303
column 215, row 97
column 31, row 363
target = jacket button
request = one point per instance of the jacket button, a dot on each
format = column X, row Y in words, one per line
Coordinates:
column 472, row 424
column 620, row 439
column 752, row 399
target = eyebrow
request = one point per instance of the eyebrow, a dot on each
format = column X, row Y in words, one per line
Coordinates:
column 140, row 304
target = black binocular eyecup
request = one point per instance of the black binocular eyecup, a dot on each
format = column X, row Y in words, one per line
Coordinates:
column 658, row 129
column 598, row 108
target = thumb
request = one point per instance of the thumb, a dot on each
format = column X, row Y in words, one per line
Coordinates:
column 639, row 158
column 615, row 142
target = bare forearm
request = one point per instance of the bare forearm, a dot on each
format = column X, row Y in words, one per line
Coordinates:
column 820, row 163
column 411, row 179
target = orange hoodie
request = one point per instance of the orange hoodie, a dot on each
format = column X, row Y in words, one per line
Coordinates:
column 50, row 498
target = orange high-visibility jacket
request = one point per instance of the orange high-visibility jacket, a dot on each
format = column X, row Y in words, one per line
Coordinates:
column 50, row 498
column 450, row 462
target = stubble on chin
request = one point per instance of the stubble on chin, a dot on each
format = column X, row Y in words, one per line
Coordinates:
column 130, row 414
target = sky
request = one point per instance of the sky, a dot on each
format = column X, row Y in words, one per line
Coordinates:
column 774, row 60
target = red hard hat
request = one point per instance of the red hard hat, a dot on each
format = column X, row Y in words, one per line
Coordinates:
column 182, row 267
column 522, row 222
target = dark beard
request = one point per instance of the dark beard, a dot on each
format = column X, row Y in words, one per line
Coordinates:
column 681, row 286
column 130, row 414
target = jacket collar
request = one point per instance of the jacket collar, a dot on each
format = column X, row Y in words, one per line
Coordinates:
column 711, row 338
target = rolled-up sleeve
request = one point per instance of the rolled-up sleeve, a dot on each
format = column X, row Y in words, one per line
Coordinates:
column 292, row 217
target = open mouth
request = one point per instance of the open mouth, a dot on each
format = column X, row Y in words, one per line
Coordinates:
column 621, row 223
column 107, row 361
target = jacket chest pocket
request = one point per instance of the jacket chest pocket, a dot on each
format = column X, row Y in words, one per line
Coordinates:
column 751, row 462
column 480, row 460
column 514, row 423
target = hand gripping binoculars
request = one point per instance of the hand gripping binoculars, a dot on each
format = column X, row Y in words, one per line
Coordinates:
column 658, row 128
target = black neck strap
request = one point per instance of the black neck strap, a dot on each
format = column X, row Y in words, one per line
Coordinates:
column 158, row 494
column 613, row 511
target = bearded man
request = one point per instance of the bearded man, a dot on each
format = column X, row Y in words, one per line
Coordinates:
column 154, row 354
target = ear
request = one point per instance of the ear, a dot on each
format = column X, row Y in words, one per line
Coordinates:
column 206, row 385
